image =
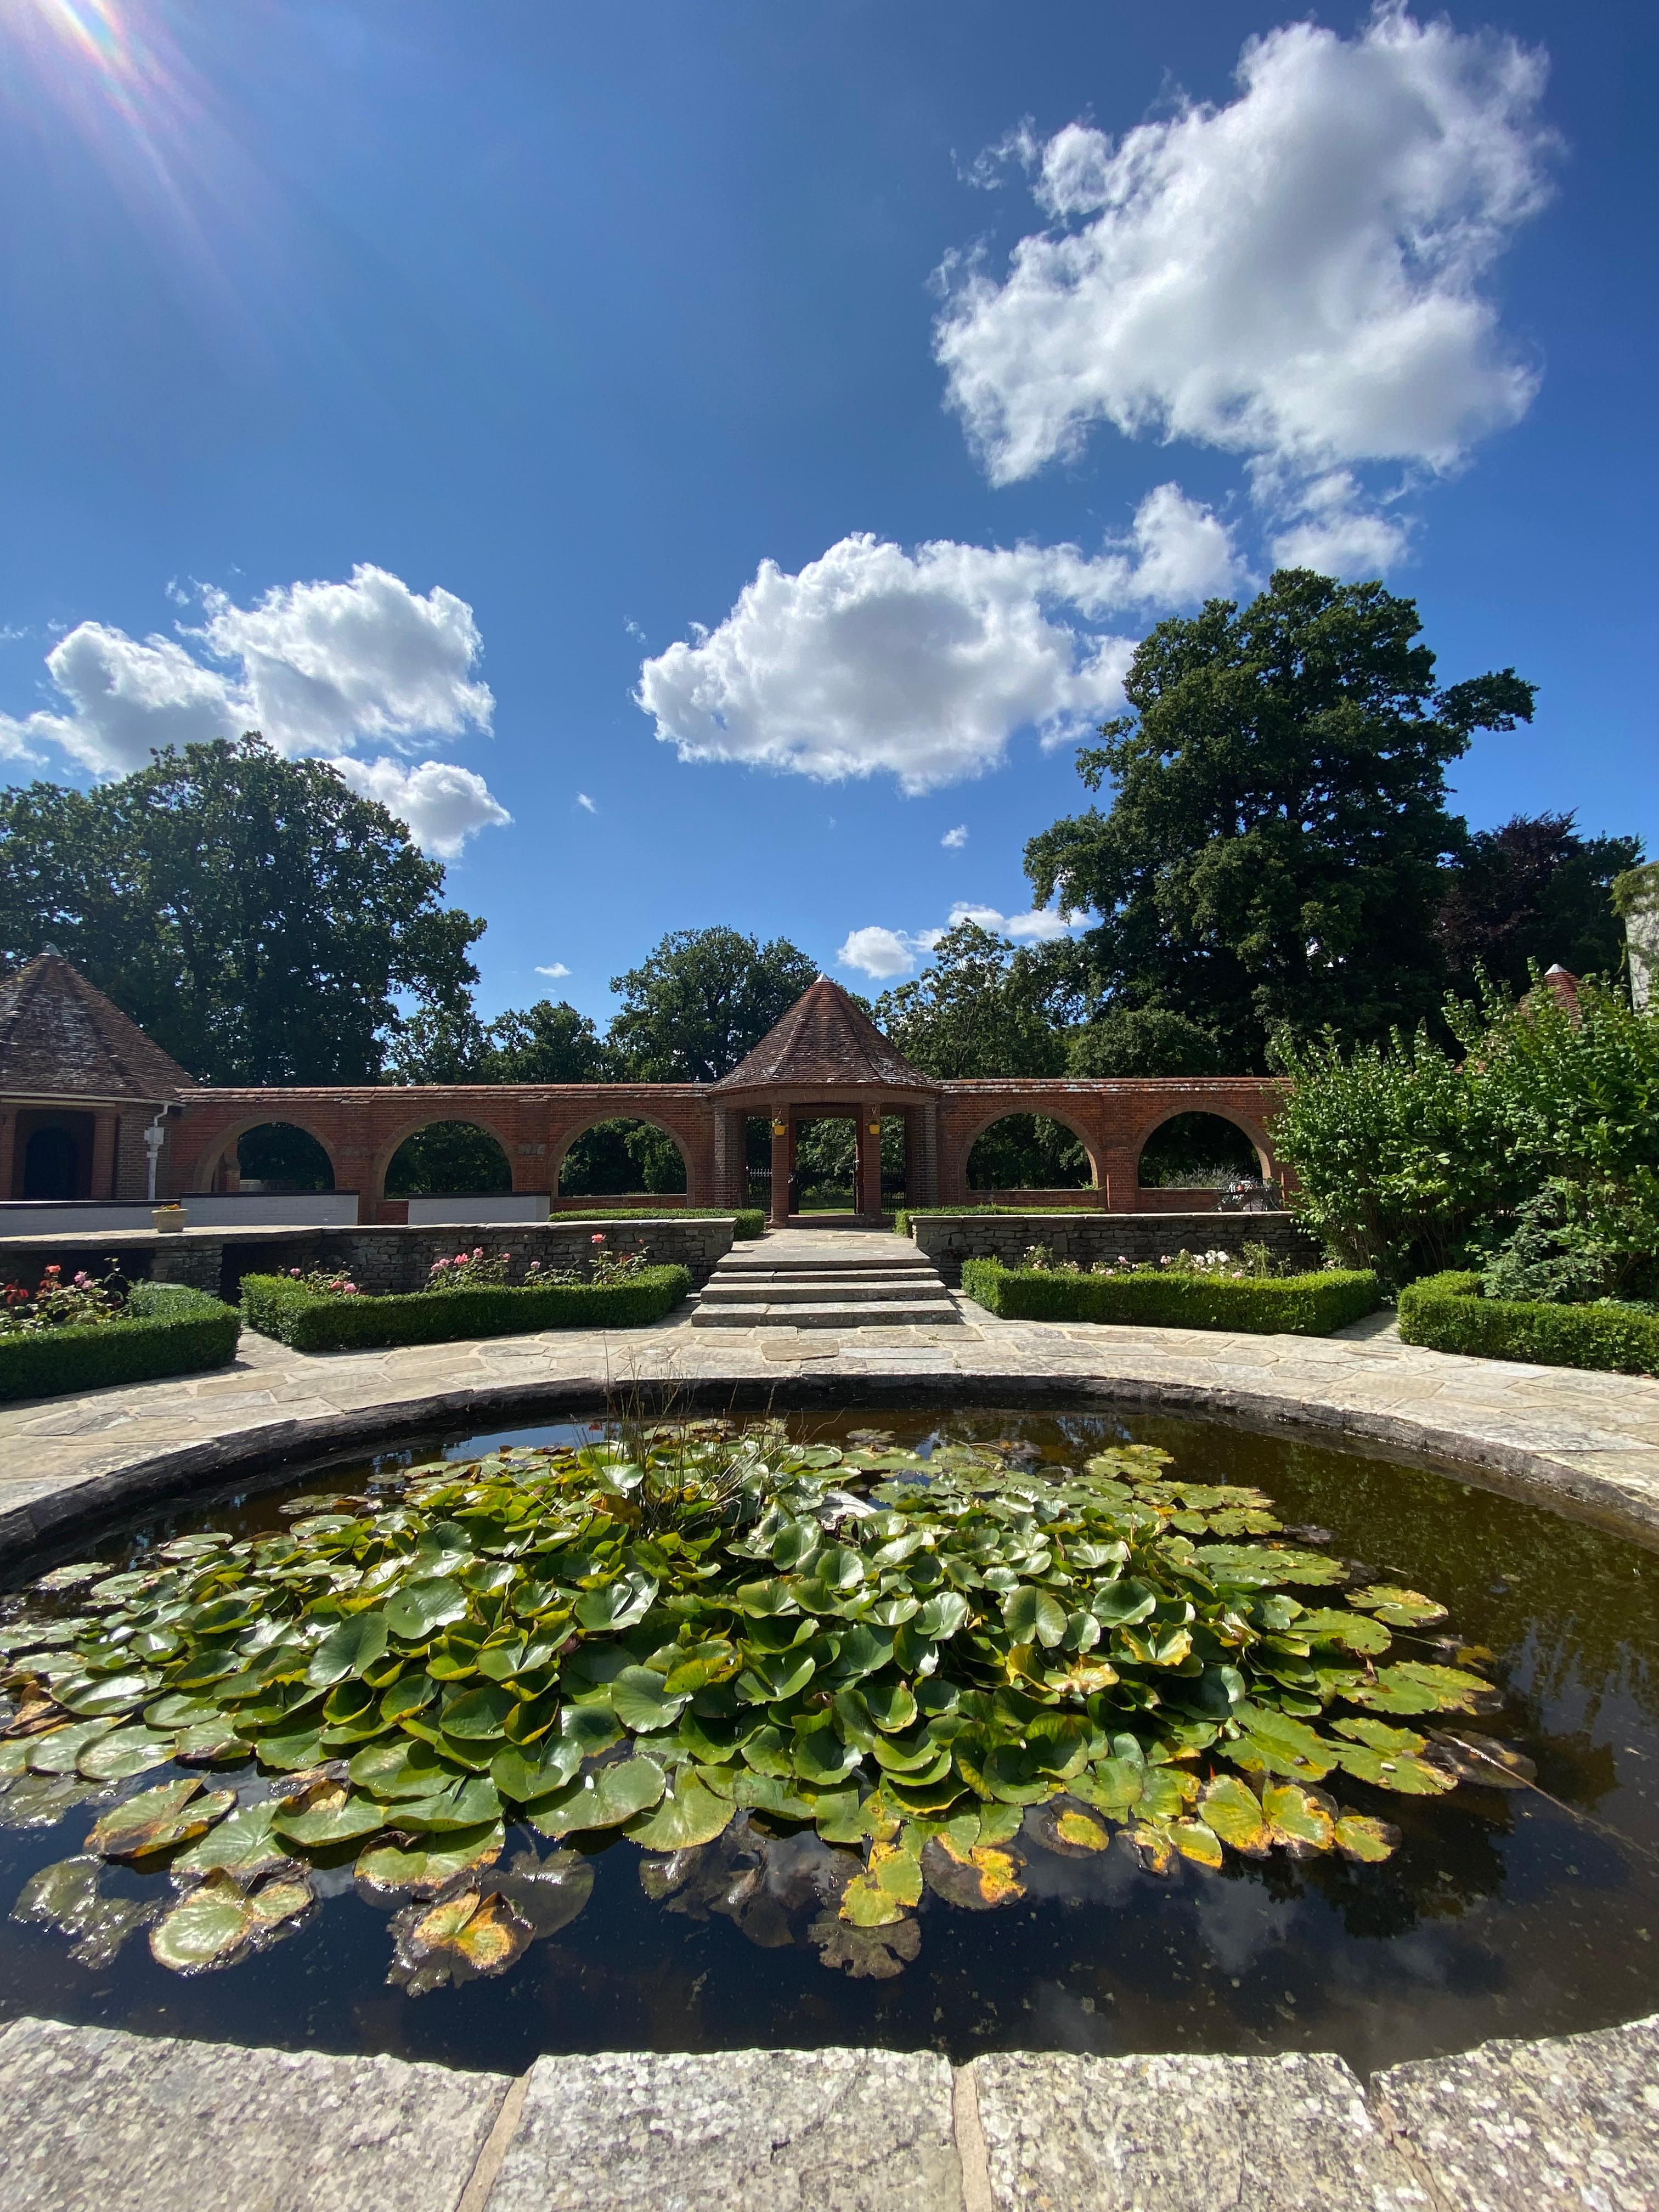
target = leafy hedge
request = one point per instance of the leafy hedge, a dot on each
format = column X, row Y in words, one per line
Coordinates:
column 1285, row 1305
column 1447, row 1313
column 750, row 1219
column 167, row 1329
column 310, row 1321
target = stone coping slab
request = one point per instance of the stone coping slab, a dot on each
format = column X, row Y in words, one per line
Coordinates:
column 1587, row 1443
column 96, row 2119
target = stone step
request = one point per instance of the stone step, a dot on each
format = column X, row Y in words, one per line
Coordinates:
column 829, row 1313
column 817, row 1286
column 900, row 1264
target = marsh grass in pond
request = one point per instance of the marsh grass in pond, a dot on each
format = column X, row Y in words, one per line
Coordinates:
column 1012, row 1733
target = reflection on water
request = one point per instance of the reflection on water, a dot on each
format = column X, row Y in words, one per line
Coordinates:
column 1528, row 1913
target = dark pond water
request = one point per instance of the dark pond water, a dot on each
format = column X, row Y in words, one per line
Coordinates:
column 1527, row 1912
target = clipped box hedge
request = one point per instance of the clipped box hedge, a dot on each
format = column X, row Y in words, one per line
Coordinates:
column 1285, row 1305
column 167, row 1329
column 313, row 1321
column 1447, row 1313
column 750, row 1219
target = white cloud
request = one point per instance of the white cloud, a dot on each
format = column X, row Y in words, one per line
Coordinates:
column 316, row 666
column 887, row 953
column 1297, row 276
column 925, row 665
column 443, row 804
column 557, row 969
column 883, row 953
column 954, row 840
column 320, row 668
column 585, row 803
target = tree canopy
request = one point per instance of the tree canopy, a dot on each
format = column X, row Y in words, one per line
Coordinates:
column 1272, row 857
column 701, row 999
column 252, row 914
column 979, row 1007
column 1532, row 893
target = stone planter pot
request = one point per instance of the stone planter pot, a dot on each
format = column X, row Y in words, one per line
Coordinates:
column 169, row 1221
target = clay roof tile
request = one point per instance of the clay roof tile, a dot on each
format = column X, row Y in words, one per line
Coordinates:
column 61, row 1038
column 825, row 1037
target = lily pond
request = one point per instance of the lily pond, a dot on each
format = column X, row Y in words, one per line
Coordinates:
column 974, row 1732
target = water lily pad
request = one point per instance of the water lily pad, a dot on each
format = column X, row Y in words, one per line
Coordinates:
column 1413, row 1686
column 1401, row 1608
column 353, row 1644
column 1068, row 1829
column 244, row 1844
column 1354, row 1631
column 73, row 1576
column 459, row 1939
column 328, row 1812
column 40, row 1801
column 546, row 1893
column 422, row 1608
column 477, row 1715
column 159, row 1820
column 290, row 1751
column 219, row 1922
column 66, row 1896
column 640, row 1702
column 178, row 1712
column 1300, row 1820
column 1367, row 1840
column 91, row 1697
column 461, row 1804
column 420, row 1866
column 866, row 1953
column 688, row 1815
column 618, row 1604
column 124, row 1753
column 1232, row 1810
column 1032, row 1616
column 977, row 1879
column 602, row 1797
column 59, row 1751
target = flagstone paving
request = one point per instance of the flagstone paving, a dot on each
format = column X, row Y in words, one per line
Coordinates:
column 1588, row 1442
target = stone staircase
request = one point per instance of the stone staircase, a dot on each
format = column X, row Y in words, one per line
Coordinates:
column 845, row 1279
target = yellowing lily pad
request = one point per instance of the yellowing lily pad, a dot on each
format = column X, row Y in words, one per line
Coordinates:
column 1232, row 1810
column 420, row 1866
column 158, row 1820
column 461, row 1938
column 977, row 1879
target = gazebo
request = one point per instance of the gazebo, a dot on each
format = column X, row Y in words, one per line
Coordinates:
column 827, row 1061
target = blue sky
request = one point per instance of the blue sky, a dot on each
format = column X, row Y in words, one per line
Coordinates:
column 742, row 444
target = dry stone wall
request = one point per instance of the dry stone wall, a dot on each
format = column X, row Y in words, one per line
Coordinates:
column 948, row 1239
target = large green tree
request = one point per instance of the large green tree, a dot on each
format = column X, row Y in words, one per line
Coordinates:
column 1273, row 854
column 979, row 1007
column 701, row 999
column 547, row 1042
column 252, row 914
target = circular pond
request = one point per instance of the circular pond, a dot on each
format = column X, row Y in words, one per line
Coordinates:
column 1091, row 1910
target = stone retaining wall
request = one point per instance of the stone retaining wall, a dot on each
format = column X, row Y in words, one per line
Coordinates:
column 376, row 1257
column 948, row 1239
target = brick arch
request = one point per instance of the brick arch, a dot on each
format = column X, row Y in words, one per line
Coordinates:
column 431, row 1119
column 1030, row 1108
column 624, row 1111
column 209, row 1160
column 1246, row 1124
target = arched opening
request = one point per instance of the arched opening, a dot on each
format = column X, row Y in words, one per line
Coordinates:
column 1029, row 1152
column 622, row 1158
column 277, row 1157
column 448, row 1159
column 1198, row 1152
column 51, row 1163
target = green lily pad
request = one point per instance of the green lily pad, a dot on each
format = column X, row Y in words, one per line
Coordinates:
column 159, row 1820
column 420, row 1867
column 124, row 1753
column 244, row 1844
column 477, row 1715
column 602, row 1797
column 640, row 1702
column 1401, row 1608
column 1413, row 1686
column 67, row 1897
column 328, row 1812
column 1232, row 1809
column 219, row 1922
column 618, row 1604
column 59, row 1751
column 688, row 1815
column 465, row 1804
column 1032, row 1616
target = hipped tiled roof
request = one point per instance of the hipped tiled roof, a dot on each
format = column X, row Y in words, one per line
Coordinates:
column 60, row 1038
column 825, row 1038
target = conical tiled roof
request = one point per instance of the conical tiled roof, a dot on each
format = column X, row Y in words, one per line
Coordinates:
column 825, row 1038
column 60, row 1038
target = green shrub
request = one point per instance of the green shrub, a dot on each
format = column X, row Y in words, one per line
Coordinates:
column 167, row 1329
column 1447, row 1313
column 1287, row 1305
column 750, row 1219
column 278, row 1306
column 904, row 1215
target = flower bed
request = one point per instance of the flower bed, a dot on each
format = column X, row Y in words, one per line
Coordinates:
column 313, row 1319
column 1447, row 1313
column 162, row 1328
column 1287, row 1305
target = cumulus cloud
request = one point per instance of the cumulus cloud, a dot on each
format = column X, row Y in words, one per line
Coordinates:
column 885, row 954
column 954, row 840
column 320, row 668
column 1298, row 277
column 556, row 970
column 443, row 804
column 925, row 665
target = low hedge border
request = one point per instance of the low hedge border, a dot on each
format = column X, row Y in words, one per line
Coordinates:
column 167, row 1329
column 1447, row 1313
column 904, row 1215
column 750, row 1219
column 310, row 1321
column 1268, row 1305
